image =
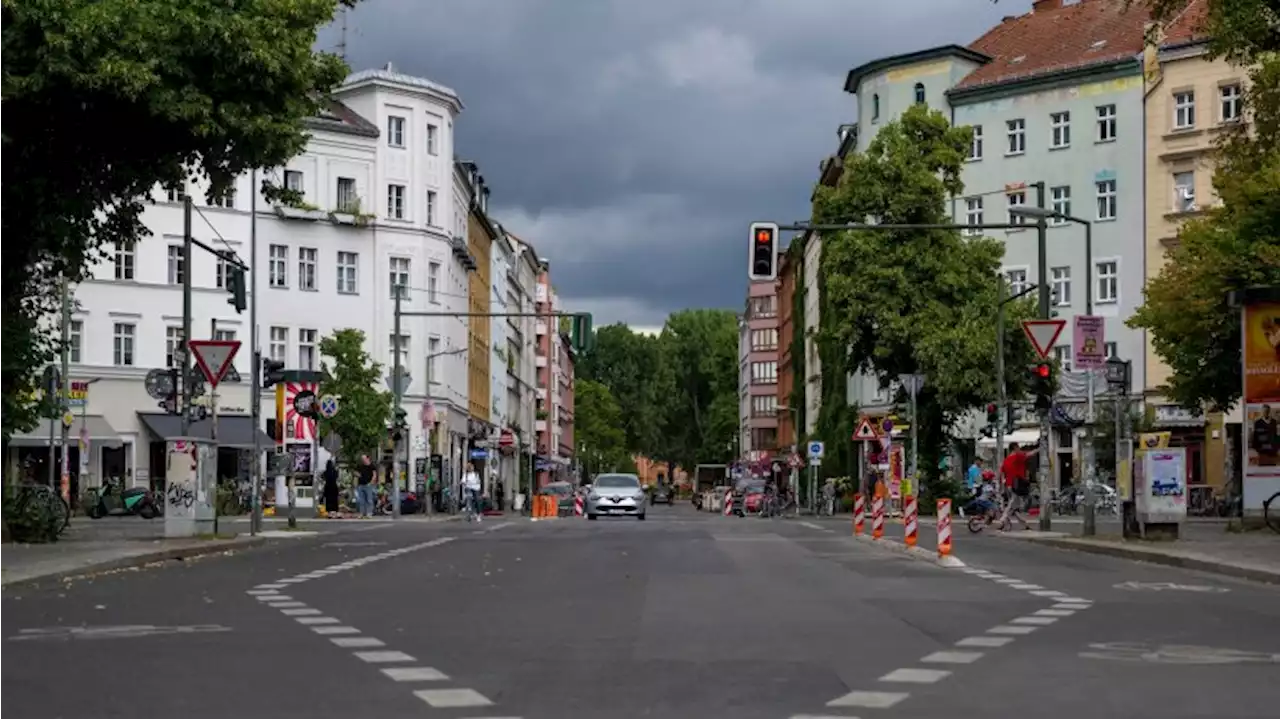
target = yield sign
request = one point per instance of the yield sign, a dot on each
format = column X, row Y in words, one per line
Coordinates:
column 213, row 357
column 1043, row 334
column 865, row 431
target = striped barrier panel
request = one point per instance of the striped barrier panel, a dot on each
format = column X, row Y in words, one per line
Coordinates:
column 859, row 515
column 578, row 510
column 877, row 518
column 944, row 527
column 910, row 521
column 728, row 503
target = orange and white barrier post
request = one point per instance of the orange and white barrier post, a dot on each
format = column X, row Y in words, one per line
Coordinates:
column 577, row 506
column 910, row 520
column 877, row 518
column 728, row 503
column 944, row 527
column 859, row 515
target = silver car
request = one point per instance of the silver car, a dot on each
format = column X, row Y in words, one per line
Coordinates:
column 616, row 495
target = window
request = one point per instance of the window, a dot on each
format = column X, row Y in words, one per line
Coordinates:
column 431, row 208
column 1184, row 110
column 177, row 265
column 973, row 215
column 220, row 273
column 227, row 199
column 1229, row 109
column 279, row 344
column 224, row 335
column 174, row 194
column 307, row 349
column 1060, row 125
column 278, row 262
column 307, row 268
column 348, row 201
column 919, row 93
column 399, row 277
column 124, row 262
column 433, row 281
column 764, row 372
column 433, row 147
column 1111, row 349
column 395, row 131
column 875, row 107
column 764, row 405
column 1108, row 279
column 1017, row 281
column 1106, row 199
column 1184, row 191
column 1016, row 132
column 75, row 341
column 1062, row 353
column 433, row 351
column 765, row 340
column 762, row 307
column 1061, row 200
column 123, row 349
column 1106, row 123
column 1060, row 287
column 293, row 180
column 395, row 202
column 1017, row 199
column 348, row 263
column 975, row 147
column 172, row 346
column 399, row 345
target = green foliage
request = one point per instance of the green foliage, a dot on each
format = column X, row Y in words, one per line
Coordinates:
column 700, row 348
column 105, row 100
column 598, row 428
column 364, row 410
column 913, row 301
column 799, row 362
column 629, row 365
column 33, row 514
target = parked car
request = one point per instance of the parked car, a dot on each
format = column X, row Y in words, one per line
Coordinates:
column 564, row 494
column 616, row 495
column 660, row 494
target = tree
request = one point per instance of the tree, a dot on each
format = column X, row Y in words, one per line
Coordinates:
column 627, row 364
column 913, row 301
column 597, row 427
column 364, row 410
column 103, row 101
column 700, row 418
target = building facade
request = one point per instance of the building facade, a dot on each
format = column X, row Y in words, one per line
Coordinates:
column 552, row 460
column 786, row 410
column 758, row 370
column 564, row 377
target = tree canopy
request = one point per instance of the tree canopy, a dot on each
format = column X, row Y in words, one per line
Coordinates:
column 103, row 101
column 364, row 410
column 598, row 428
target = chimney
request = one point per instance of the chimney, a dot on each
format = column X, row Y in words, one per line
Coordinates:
column 1043, row 5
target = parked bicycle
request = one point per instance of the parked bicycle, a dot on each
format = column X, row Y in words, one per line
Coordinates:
column 36, row 512
column 1272, row 516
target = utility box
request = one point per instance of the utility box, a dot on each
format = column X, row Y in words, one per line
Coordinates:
column 1160, row 491
column 191, row 486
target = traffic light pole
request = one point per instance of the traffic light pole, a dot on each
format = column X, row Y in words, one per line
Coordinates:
column 1042, row 472
column 255, row 385
column 397, row 393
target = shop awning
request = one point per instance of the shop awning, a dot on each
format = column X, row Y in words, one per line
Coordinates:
column 1018, row 436
column 100, row 432
column 234, row 431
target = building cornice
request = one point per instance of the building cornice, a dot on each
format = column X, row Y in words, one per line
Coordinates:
column 860, row 73
column 1042, row 82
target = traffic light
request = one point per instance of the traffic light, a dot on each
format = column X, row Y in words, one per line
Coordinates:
column 1042, row 385
column 235, row 286
column 763, row 253
column 580, row 332
column 272, row 372
column 993, row 414
column 399, row 424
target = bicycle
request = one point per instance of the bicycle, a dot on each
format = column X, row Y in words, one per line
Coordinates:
column 1272, row 518
column 41, row 508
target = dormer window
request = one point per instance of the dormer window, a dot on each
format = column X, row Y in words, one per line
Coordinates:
column 920, row 93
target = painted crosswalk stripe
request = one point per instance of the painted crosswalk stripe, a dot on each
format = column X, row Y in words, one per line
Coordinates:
column 1048, row 593
column 262, row 592
column 952, row 657
column 1006, row 629
column 1037, row 621
column 332, row 631
column 273, row 597
column 385, row 657
column 300, row 612
column 911, row 675
column 316, row 620
column 354, row 642
column 1054, row 613
column 286, row 604
column 415, row 674
column 984, row 641
column 452, row 698
column 869, row 700
column 1070, row 605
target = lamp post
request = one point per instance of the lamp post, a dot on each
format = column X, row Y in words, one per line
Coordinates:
column 1042, row 217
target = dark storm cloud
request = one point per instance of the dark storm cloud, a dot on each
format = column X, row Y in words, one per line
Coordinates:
column 633, row 140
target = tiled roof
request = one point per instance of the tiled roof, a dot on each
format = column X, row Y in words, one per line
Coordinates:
column 1188, row 25
column 337, row 117
column 1054, row 37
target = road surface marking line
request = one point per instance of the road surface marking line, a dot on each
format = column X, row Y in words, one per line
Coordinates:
column 984, row 641
column 1048, row 593
column 331, row 630
column 270, row 586
column 993, row 576
column 821, row 716
column 952, row 657
column 286, row 605
column 300, row 612
column 1037, row 621
column 415, row 674
column 811, row 525
column 358, row 642
column 1074, row 600
column 273, row 597
column 452, row 698
column 911, row 675
column 1006, row 629
column 1009, row 580
column 1026, row 587
column 869, row 700
column 1054, row 613
column 262, row 592
column 386, row 657
column 973, row 570
column 1070, row 605
column 316, row 620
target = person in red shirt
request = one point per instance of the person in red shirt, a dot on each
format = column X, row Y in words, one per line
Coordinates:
column 1014, row 472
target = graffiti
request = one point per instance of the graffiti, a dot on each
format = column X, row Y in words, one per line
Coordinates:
column 180, row 496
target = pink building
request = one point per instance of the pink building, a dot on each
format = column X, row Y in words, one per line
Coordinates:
column 564, row 410
column 758, row 372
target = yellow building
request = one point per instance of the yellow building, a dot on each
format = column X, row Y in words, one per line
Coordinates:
column 1190, row 101
column 480, row 237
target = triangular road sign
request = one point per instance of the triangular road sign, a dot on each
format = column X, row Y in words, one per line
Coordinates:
column 1043, row 334
column 214, row 357
column 865, row 431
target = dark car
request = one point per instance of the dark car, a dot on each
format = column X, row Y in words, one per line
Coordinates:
column 564, row 494
column 660, row 494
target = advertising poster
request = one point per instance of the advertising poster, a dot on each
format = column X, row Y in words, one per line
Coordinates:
column 1262, row 390
column 1165, row 483
column 1089, row 342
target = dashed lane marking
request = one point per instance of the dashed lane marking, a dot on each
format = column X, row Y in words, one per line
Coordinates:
column 384, row 657
column 300, row 612
column 1008, row 629
column 357, row 642
column 331, row 631
column 952, row 657
column 912, row 675
column 317, row 620
column 984, row 641
column 453, row 698
column 869, row 700
column 414, row 674
column 1035, row 621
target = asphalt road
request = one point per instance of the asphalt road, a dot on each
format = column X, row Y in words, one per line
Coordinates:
column 684, row 615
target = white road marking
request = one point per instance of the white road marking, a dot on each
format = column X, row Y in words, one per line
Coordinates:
column 1070, row 605
column 984, row 641
column 326, row 631
column 286, row 605
column 1054, row 613
column 869, row 700
column 1037, row 621
column 300, row 612
column 387, row 657
column 1074, row 600
column 415, row 674
column 316, row 620
column 1006, row 629
column 912, row 675
column 261, row 592
column 1048, row 593
column 354, row 642
column 273, row 597
column 452, row 698
column 1009, row 580
column 821, row 716
column 270, row 586
column 952, row 657
column 1026, row 587
column 811, row 525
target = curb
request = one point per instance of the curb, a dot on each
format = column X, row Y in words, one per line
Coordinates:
column 1170, row 560
column 138, row 560
column 918, row 553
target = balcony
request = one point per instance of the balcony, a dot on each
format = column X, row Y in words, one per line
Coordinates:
column 540, row 361
column 541, row 394
column 540, row 294
column 540, row 328
column 540, row 425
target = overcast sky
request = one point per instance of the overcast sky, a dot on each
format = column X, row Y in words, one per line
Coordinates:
column 633, row 141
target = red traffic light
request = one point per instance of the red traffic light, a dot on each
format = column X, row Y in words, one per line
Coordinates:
column 991, row 408
column 1043, row 371
column 764, row 236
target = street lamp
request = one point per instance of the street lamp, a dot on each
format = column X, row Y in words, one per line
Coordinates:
column 1042, row 217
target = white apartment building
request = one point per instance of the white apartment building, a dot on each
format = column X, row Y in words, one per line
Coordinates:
column 516, row 376
column 381, row 208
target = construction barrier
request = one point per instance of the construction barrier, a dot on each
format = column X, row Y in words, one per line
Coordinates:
column 545, row 507
column 577, row 507
column 877, row 518
column 910, row 520
column 728, row 503
column 944, row 527
column 859, row 515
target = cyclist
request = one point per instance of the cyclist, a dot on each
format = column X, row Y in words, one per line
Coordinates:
column 471, row 490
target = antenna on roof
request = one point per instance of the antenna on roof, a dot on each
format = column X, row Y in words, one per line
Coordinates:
column 342, row 37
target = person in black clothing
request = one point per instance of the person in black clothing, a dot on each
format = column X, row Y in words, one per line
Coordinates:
column 330, row 488
column 366, row 497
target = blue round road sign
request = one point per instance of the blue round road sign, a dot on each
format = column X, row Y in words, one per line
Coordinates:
column 328, row 406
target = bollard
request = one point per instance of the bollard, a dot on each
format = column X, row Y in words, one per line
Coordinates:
column 944, row 527
column 909, row 520
column 859, row 515
column 877, row 518
column 577, row 507
column 728, row 503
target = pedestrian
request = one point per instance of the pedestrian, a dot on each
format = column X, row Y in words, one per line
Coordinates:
column 471, row 486
column 330, row 477
column 1014, row 473
column 500, row 495
column 366, row 498
column 973, row 481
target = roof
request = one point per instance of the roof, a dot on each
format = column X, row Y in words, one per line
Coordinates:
column 1054, row 38
column 859, row 73
column 1190, row 25
column 336, row 117
column 387, row 75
